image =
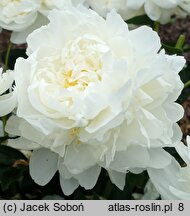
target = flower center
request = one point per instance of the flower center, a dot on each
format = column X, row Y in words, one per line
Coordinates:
column 82, row 62
column 74, row 133
column 79, row 65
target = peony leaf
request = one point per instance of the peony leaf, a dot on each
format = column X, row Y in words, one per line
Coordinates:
column 171, row 50
column 140, row 20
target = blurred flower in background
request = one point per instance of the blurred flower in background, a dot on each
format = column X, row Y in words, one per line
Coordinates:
column 161, row 10
column 24, row 16
column 102, row 7
column 7, row 101
column 19, row 16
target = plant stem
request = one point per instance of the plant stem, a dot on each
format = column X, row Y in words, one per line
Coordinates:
column 187, row 84
column 7, row 55
column 156, row 26
column 180, row 42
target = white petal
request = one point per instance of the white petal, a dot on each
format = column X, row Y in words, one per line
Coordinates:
column 117, row 178
column 116, row 24
column 89, row 177
column 167, row 4
column 6, row 80
column 22, row 144
column 177, row 133
column 183, row 195
column 79, row 157
column 68, row 185
column 152, row 125
column 164, row 178
column 150, row 42
column 43, row 165
column 133, row 132
column 132, row 157
column 176, row 63
column 135, row 5
column 12, row 126
column 7, row 103
column 159, row 158
column 22, row 80
column 174, row 111
column 152, row 10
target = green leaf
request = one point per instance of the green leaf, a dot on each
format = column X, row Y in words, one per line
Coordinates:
column 185, row 77
column 140, row 20
column 172, row 151
column 185, row 74
column 9, row 155
column 172, row 50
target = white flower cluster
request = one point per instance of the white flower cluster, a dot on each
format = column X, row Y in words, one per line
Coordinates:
column 95, row 95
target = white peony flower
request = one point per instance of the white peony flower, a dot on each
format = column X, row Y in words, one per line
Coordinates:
column 7, row 101
column 102, row 7
column 95, row 95
column 161, row 10
column 17, row 15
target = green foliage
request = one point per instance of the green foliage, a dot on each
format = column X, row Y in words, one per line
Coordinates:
column 141, row 20
column 172, row 50
column 185, row 77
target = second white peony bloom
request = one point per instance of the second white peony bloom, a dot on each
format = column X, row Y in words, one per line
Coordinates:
column 7, row 101
column 159, row 10
column 24, row 16
column 93, row 94
column 102, row 7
